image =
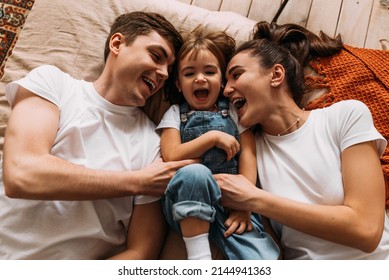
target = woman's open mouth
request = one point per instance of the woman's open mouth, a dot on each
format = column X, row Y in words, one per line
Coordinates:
column 239, row 103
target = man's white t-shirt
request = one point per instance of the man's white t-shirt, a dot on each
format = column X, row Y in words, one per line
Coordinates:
column 93, row 133
column 305, row 166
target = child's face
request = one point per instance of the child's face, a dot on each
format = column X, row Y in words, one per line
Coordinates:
column 199, row 79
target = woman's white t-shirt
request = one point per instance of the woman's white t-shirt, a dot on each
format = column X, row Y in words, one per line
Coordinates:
column 305, row 166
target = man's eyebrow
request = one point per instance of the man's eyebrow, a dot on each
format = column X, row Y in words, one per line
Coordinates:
column 162, row 49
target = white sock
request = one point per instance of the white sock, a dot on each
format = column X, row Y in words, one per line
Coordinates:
column 198, row 247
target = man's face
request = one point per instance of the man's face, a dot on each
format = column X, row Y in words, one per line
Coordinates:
column 140, row 69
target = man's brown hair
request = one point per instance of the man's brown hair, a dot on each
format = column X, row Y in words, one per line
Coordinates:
column 132, row 25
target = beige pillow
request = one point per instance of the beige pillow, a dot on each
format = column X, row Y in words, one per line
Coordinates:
column 71, row 35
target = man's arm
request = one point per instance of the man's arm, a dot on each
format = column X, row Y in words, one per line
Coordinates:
column 146, row 233
column 31, row 172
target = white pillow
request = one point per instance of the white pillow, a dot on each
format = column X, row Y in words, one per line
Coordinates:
column 71, row 35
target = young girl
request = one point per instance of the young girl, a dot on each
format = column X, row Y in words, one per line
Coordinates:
column 202, row 125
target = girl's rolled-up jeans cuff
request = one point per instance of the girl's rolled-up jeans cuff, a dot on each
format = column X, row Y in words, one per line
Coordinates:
column 184, row 209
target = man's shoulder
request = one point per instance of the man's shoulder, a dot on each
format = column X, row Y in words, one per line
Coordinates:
column 47, row 68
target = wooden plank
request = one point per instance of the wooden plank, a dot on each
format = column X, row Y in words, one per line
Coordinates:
column 324, row 16
column 296, row 11
column 264, row 9
column 185, row 1
column 378, row 32
column 354, row 21
column 213, row 5
column 241, row 7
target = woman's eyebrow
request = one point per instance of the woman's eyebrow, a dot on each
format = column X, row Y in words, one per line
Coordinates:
column 232, row 69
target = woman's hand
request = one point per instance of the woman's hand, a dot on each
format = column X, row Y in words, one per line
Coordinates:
column 236, row 190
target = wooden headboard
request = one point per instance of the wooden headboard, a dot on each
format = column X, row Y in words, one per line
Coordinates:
column 362, row 23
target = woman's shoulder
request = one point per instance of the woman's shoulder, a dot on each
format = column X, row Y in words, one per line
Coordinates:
column 348, row 104
column 349, row 107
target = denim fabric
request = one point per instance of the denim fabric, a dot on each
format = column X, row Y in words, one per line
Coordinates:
column 196, row 123
column 193, row 192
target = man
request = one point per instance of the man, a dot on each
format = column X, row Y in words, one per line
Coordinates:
column 81, row 161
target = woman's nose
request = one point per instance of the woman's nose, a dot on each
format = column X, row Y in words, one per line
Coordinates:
column 227, row 90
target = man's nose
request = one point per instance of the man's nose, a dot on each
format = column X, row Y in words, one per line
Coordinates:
column 163, row 72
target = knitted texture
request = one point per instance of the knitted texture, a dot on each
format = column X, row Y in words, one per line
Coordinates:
column 361, row 74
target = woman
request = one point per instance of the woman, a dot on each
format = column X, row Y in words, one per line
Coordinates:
column 320, row 173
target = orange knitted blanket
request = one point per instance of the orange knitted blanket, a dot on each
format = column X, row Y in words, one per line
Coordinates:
column 361, row 74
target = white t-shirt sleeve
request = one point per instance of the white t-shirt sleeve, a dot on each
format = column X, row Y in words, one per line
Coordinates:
column 171, row 119
column 235, row 118
column 45, row 81
column 357, row 126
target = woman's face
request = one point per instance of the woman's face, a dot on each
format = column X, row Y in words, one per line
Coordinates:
column 199, row 79
column 248, row 88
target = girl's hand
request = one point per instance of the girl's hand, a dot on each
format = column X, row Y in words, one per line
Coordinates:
column 238, row 222
column 226, row 142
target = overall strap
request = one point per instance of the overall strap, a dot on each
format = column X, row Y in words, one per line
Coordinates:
column 184, row 110
column 224, row 106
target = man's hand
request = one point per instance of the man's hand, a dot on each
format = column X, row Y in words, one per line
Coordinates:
column 153, row 179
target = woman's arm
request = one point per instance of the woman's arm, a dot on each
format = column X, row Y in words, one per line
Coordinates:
column 173, row 149
column 357, row 223
column 238, row 220
column 247, row 159
column 30, row 170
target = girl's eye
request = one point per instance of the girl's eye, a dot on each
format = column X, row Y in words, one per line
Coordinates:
column 188, row 74
column 210, row 72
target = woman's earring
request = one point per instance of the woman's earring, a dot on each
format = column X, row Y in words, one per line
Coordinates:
column 222, row 86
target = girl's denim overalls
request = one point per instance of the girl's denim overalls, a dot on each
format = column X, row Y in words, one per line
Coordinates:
column 193, row 192
column 196, row 123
